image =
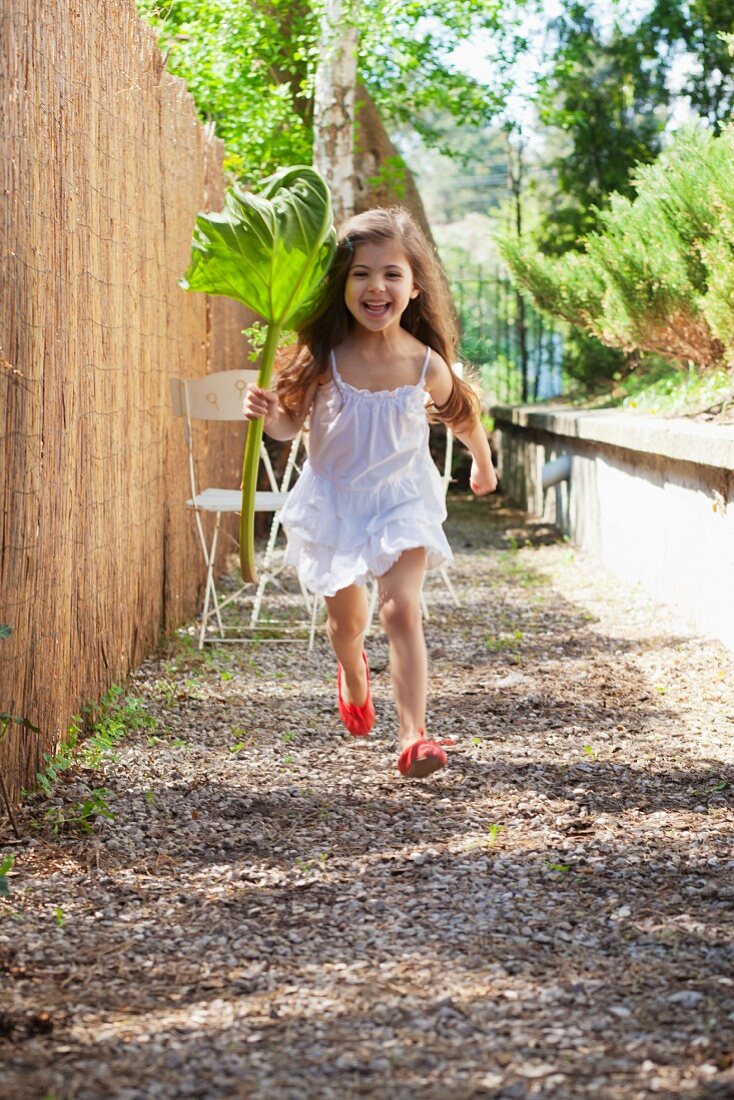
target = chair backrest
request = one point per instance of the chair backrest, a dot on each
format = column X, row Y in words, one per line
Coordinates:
column 219, row 396
column 215, row 396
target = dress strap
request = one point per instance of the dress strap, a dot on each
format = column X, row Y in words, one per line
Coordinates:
column 426, row 361
column 334, row 371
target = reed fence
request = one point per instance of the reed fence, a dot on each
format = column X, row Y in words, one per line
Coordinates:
column 104, row 167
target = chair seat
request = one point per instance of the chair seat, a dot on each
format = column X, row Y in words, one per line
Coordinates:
column 230, row 500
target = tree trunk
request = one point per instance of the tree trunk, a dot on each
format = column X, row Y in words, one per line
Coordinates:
column 334, row 91
column 382, row 178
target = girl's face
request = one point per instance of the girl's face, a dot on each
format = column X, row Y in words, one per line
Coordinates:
column 379, row 285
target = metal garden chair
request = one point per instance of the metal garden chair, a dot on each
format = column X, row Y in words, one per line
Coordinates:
column 219, row 397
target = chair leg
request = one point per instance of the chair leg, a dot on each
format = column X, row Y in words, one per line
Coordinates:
column 257, row 602
column 264, row 576
column 452, row 591
column 314, row 614
column 372, row 606
column 270, row 548
column 211, row 591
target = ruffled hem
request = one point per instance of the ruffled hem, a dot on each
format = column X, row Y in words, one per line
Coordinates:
column 325, row 571
column 338, row 537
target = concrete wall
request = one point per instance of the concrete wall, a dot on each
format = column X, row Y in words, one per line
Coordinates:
column 652, row 499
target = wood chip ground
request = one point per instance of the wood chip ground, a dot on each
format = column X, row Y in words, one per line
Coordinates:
column 274, row 913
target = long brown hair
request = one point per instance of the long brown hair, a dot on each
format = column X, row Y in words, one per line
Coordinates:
column 430, row 317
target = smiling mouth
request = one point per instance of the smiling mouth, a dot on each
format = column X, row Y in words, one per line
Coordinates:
column 377, row 309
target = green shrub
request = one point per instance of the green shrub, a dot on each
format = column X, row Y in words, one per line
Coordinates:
column 659, row 275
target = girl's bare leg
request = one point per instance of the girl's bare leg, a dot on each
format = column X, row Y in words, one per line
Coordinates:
column 345, row 625
column 400, row 614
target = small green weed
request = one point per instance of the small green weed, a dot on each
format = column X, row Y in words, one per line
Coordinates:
column 80, row 816
column 558, row 866
column 244, row 740
column 6, row 864
column 503, row 642
column 286, row 738
column 117, row 715
column 55, row 764
column 494, row 832
column 192, row 686
column 92, row 735
column 165, row 690
column 306, row 865
column 59, row 917
column 518, row 573
column 591, row 753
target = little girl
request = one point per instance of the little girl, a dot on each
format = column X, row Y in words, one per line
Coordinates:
column 370, row 501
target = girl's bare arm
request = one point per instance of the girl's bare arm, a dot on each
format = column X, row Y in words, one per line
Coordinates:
column 483, row 478
column 279, row 424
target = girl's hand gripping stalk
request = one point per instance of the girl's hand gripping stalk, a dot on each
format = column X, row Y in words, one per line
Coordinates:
column 259, row 402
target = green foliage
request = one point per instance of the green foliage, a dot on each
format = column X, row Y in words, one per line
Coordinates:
column 704, row 29
column 271, row 251
column 391, row 175
column 606, row 92
column 250, row 67
column 673, row 390
column 404, row 49
column 246, row 64
column 55, row 764
column 659, row 274
column 590, row 364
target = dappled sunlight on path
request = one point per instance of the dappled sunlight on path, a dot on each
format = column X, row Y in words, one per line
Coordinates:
column 275, row 913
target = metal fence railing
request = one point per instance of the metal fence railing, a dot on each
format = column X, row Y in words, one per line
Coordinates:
column 517, row 351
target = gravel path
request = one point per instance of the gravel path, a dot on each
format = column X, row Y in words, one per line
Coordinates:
column 274, row 913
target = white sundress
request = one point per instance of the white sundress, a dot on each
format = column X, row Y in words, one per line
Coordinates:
column 369, row 489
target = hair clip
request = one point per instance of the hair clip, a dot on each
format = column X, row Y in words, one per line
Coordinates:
column 348, row 244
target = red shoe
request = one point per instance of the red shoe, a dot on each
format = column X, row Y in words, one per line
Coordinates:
column 358, row 720
column 422, row 758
